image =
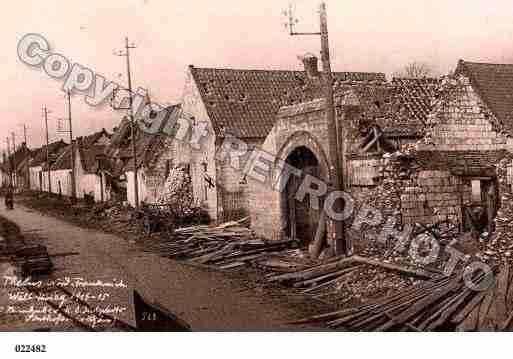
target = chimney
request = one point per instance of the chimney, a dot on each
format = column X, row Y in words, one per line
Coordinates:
column 310, row 63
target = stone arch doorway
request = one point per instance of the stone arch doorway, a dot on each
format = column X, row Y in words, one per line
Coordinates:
column 300, row 218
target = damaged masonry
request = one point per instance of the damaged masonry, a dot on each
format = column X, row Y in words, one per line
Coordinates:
column 394, row 215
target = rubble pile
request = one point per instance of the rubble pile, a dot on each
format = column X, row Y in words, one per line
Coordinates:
column 444, row 303
column 177, row 189
column 353, row 278
column 386, row 194
column 498, row 247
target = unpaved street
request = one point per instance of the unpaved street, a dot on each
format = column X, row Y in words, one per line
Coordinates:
column 207, row 300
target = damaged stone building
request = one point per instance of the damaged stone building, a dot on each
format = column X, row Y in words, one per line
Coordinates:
column 421, row 150
column 378, row 117
column 243, row 104
column 468, row 135
column 157, row 154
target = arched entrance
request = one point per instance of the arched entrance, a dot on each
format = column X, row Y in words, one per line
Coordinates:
column 301, row 219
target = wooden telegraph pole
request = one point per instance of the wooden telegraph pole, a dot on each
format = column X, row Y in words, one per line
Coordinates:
column 25, row 134
column 342, row 244
column 45, row 113
column 73, row 183
column 133, row 125
column 15, row 179
column 9, row 160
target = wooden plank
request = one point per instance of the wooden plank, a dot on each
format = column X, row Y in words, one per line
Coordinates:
column 320, row 238
column 386, row 302
column 500, row 300
column 471, row 321
column 312, row 272
column 390, row 266
column 449, row 310
column 315, row 280
column 509, row 296
column 473, row 303
column 424, row 302
column 485, row 308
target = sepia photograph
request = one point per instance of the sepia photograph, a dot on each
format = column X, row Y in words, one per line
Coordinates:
column 249, row 178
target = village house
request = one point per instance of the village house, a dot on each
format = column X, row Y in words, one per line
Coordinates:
column 90, row 180
column 156, row 155
column 15, row 167
column 244, row 104
column 5, row 171
column 39, row 159
column 469, row 135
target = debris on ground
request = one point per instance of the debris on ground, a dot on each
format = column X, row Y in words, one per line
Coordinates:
column 445, row 303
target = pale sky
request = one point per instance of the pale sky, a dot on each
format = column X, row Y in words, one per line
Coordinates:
column 376, row 36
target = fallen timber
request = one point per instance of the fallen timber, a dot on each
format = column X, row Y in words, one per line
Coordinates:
column 232, row 246
column 441, row 304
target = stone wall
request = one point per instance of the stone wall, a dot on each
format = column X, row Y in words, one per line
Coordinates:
column 461, row 121
column 297, row 126
column 432, row 196
column 202, row 160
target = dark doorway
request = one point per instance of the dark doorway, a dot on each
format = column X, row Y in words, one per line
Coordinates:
column 302, row 219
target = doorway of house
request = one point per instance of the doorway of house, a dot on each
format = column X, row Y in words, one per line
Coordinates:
column 302, row 220
column 479, row 216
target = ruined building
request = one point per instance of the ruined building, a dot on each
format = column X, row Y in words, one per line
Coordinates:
column 421, row 150
column 244, row 104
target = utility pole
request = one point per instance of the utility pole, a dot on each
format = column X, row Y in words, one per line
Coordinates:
column 9, row 160
column 73, row 182
column 45, row 113
column 25, row 134
column 342, row 244
column 15, row 179
column 133, row 126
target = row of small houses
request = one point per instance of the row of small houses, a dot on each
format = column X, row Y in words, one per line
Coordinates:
column 456, row 130
column 50, row 170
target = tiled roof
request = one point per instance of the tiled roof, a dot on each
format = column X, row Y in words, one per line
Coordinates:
column 90, row 156
column 414, row 100
column 400, row 108
column 40, row 153
column 88, row 148
column 494, row 84
column 59, row 160
column 245, row 102
column 148, row 145
column 19, row 157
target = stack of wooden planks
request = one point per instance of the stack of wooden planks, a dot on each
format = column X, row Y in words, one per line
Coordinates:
column 331, row 275
column 444, row 303
column 226, row 246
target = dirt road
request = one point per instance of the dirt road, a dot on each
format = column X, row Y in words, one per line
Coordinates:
column 207, row 300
